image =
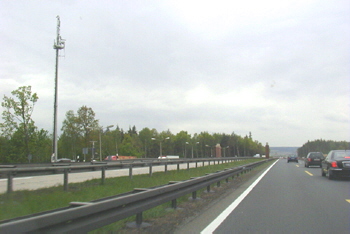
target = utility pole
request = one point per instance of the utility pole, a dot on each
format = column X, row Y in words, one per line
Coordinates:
column 59, row 44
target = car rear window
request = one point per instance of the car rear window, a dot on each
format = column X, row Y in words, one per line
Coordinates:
column 316, row 155
column 342, row 155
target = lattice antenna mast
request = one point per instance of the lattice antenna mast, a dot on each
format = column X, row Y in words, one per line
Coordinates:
column 59, row 44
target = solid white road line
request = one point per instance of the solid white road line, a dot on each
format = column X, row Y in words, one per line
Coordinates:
column 216, row 222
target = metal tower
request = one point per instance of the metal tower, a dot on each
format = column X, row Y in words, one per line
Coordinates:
column 59, row 44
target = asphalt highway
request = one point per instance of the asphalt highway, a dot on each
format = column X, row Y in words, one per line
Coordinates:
column 288, row 198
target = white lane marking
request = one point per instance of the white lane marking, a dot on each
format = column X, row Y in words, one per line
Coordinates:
column 216, row 222
column 21, row 178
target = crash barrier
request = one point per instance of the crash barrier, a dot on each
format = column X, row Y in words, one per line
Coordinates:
column 82, row 217
column 65, row 169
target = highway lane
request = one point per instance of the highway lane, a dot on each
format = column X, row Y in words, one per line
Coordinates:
column 292, row 199
column 289, row 198
column 37, row 182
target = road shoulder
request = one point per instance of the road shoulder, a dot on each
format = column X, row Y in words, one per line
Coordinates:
column 218, row 202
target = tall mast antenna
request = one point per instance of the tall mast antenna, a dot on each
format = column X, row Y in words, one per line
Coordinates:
column 59, row 44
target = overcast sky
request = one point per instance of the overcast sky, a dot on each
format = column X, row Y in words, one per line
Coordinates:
column 277, row 69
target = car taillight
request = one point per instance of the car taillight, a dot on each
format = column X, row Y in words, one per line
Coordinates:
column 334, row 164
column 309, row 159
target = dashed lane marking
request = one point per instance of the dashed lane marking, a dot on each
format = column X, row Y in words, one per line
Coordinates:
column 310, row 174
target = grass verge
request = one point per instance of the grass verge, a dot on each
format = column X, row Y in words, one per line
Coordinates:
column 25, row 202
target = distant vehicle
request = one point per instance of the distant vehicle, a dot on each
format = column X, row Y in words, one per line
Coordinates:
column 64, row 160
column 336, row 164
column 169, row 157
column 292, row 158
column 313, row 159
column 117, row 157
column 257, row 156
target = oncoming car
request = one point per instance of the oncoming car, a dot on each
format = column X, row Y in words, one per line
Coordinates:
column 336, row 164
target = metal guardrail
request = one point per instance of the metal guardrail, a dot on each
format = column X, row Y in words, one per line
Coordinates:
column 65, row 169
column 82, row 217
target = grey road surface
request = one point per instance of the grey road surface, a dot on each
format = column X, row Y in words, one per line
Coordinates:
column 288, row 199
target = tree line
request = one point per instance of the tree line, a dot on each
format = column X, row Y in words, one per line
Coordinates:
column 323, row 146
column 82, row 135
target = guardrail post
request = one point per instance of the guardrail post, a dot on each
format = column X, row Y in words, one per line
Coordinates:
column 194, row 195
column 178, row 166
column 9, row 182
column 218, row 184
column 138, row 222
column 174, row 204
column 138, row 219
column 166, row 167
column 130, row 171
column 65, row 179
column 150, row 169
column 188, row 165
column 196, row 164
column 203, row 162
column 208, row 188
column 103, row 175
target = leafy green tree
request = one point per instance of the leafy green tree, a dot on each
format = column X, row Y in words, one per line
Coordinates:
column 41, row 146
column 179, row 141
column 129, row 147
column 206, row 142
column 322, row 146
column 108, row 144
column 86, row 122
column 117, row 136
column 145, row 136
column 71, row 136
column 78, row 130
column 17, row 118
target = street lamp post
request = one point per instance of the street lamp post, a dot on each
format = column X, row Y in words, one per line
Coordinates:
column 211, row 150
column 196, row 148
column 92, row 150
column 225, row 150
column 192, row 148
column 160, row 143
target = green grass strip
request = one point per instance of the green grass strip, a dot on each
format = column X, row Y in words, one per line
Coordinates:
column 25, row 202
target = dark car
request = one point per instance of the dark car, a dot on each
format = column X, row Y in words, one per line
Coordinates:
column 314, row 159
column 292, row 158
column 336, row 164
